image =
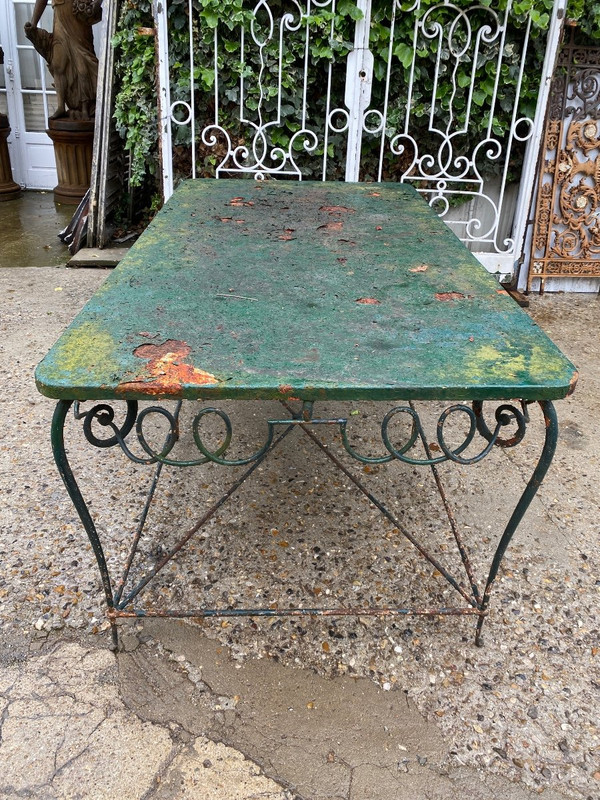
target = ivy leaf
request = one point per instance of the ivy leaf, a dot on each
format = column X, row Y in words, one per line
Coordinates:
column 404, row 54
column 350, row 9
column 479, row 97
column 211, row 17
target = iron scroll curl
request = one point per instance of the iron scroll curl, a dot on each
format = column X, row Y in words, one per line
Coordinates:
column 506, row 416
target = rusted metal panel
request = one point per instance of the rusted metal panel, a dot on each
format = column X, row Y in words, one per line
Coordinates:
column 566, row 233
column 245, row 289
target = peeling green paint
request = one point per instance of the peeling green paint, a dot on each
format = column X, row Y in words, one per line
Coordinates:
column 274, row 284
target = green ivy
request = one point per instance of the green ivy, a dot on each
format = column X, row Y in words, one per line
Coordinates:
column 135, row 110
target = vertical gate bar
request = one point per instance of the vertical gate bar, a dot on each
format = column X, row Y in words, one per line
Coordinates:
column 513, row 127
column 527, row 182
column 328, row 100
column 192, row 93
column 359, row 76
column 159, row 11
column 386, row 94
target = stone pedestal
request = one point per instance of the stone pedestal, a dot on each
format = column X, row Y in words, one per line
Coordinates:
column 9, row 190
column 73, row 141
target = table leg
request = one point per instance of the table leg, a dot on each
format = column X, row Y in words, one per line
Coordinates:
column 533, row 485
column 119, row 604
column 66, row 473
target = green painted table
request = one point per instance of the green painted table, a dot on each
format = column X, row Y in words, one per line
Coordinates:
column 303, row 292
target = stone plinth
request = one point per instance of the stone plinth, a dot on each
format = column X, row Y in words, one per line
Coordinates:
column 9, row 190
column 73, row 141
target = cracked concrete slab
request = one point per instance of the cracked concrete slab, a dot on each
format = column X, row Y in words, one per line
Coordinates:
column 67, row 735
column 338, row 738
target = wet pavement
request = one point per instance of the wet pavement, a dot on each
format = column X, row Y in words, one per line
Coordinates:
column 29, row 228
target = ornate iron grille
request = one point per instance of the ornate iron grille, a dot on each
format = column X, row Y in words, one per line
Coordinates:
column 566, row 234
column 309, row 96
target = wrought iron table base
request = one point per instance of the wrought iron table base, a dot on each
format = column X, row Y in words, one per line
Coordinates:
column 120, row 599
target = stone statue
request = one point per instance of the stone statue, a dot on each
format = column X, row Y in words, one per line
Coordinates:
column 69, row 51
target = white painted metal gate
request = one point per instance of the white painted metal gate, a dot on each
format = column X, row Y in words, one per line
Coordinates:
column 349, row 112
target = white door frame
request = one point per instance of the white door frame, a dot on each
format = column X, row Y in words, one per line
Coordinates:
column 31, row 152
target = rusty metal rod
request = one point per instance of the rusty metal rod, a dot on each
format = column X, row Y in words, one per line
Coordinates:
column 450, row 514
column 144, row 515
column 202, row 521
column 296, row 612
column 388, row 514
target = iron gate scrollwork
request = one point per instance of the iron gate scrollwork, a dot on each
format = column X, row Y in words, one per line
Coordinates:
column 303, row 101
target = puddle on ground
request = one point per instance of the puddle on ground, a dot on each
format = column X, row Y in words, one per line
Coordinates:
column 29, row 228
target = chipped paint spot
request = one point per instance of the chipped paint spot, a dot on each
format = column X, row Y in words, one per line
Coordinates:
column 420, row 268
column 239, row 201
column 331, row 226
column 573, row 383
column 445, row 296
column 166, row 371
column 337, row 209
column 368, row 301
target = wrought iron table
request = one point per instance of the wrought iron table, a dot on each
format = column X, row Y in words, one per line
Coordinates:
column 301, row 292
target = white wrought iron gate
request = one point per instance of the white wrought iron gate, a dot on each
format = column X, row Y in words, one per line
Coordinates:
column 420, row 91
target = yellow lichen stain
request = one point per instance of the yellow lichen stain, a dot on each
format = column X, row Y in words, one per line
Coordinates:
column 515, row 364
column 88, row 346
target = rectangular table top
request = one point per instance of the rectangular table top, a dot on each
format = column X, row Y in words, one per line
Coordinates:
column 248, row 289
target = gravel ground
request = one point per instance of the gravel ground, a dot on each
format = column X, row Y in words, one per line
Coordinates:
column 525, row 706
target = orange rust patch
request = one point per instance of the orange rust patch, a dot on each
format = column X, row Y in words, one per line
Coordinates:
column 573, row 383
column 337, row 225
column 166, row 371
column 337, row 209
column 239, row 201
column 445, row 296
column 285, row 388
column 368, row 301
column 501, row 291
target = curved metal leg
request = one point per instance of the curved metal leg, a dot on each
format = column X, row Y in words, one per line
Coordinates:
column 535, row 481
column 66, row 473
